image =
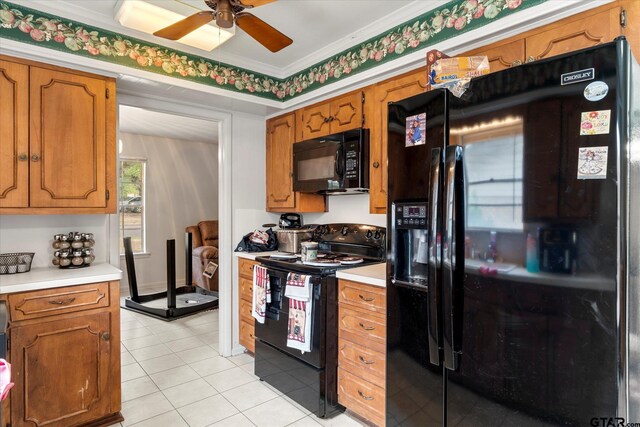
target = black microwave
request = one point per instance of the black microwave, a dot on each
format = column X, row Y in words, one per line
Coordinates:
column 332, row 164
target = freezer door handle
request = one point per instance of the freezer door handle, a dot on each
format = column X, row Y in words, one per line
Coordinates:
column 435, row 260
column 453, row 256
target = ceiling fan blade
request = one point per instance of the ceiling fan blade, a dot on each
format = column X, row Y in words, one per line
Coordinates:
column 255, row 3
column 264, row 33
column 182, row 28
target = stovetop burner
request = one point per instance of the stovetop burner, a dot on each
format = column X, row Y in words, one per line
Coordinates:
column 354, row 245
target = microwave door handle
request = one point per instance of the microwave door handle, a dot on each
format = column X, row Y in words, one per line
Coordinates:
column 434, row 308
column 339, row 162
column 453, row 256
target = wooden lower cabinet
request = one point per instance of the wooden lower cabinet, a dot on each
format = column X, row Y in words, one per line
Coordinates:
column 66, row 366
column 246, row 323
column 362, row 349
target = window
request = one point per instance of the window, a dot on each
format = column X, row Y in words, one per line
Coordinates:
column 493, row 166
column 132, row 224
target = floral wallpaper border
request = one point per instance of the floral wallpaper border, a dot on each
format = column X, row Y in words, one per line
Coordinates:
column 456, row 17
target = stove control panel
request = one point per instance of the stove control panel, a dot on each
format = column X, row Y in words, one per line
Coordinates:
column 410, row 215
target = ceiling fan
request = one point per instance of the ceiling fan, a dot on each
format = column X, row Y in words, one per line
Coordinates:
column 226, row 13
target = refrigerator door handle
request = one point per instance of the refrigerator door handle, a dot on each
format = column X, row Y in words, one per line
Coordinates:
column 453, row 256
column 435, row 261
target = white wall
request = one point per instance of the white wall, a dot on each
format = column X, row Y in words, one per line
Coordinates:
column 34, row 233
column 181, row 190
column 348, row 209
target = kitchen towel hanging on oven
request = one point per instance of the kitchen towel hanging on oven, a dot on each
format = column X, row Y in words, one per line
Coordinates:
column 261, row 293
column 299, row 290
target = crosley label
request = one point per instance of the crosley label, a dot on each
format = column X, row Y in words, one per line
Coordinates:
column 577, row 76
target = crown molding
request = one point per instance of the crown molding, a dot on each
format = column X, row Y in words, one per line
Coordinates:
column 536, row 16
column 303, row 86
column 375, row 28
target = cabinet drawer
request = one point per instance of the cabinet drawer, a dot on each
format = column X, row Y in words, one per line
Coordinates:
column 362, row 397
column 245, row 268
column 246, row 289
column 50, row 302
column 362, row 296
column 245, row 309
column 362, row 327
column 362, row 362
column 247, row 337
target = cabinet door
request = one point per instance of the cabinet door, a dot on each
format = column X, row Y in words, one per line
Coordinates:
column 590, row 31
column 384, row 93
column 68, row 140
column 346, row 113
column 14, row 135
column 503, row 56
column 61, row 371
column 316, row 121
column 280, row 137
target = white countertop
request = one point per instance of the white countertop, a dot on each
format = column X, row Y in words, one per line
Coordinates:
column 372, row 274
column 52, row 277
column 252, row 255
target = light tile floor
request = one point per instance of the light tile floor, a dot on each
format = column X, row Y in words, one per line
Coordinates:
column 173, row 376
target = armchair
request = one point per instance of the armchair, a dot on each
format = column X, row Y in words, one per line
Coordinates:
column 205, row 249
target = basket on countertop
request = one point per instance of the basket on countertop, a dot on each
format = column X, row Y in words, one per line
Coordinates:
column 19, row 262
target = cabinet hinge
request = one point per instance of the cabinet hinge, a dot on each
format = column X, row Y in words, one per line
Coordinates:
column 107, row 93
column 623, row 18
column 107, row 194
column 8, row 344
column 363, row 97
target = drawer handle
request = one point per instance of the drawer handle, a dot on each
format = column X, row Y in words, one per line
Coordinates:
column 366, row 328
column 365, row 361
column 62, row 301
column 364, row 396
column 366, row 299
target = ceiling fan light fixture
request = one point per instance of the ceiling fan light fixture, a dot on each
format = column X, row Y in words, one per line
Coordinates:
column 224, row 14
column 149, row 17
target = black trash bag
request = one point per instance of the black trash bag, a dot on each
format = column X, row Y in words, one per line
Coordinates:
column 247, row 245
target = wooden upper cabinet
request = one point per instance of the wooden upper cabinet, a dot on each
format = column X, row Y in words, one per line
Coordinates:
column 346, row 112
column 61, row 371
column 57, row 140
column 280, row 137
column 589, row 31
column 383, row 93
column 281, row 134
column 337, row 115
column 14, row 135
column 68, row 140
column 502, row 56
column 315, row 121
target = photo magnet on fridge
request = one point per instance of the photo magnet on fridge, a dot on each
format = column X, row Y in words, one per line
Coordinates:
column 415, row 130
column 595, row 122
column 592, row 162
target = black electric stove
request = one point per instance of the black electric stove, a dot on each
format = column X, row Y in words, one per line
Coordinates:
column 310, row 378
column 336, row 241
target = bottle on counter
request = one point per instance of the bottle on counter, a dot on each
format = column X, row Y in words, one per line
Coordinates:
column 533, row 263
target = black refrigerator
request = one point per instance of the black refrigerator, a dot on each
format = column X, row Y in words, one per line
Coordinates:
column 513, row 261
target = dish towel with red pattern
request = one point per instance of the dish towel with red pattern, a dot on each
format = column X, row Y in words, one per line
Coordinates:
column 299, row 290
column 261, row 293
column 5, row 379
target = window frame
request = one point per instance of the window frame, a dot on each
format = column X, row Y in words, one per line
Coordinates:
column 470, row 138
column 143, row 224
